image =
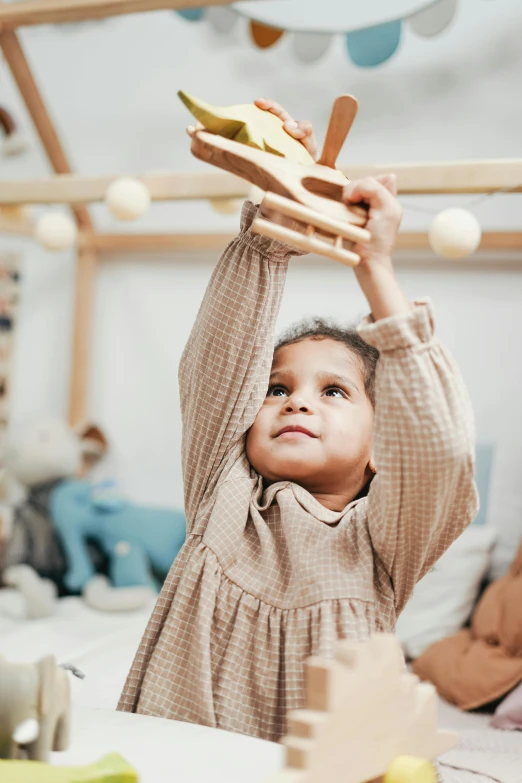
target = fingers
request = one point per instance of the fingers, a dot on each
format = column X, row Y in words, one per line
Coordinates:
column 377, row 192
column 389, row 181
column 191, row 129
column 302, row 131
column 274, row 108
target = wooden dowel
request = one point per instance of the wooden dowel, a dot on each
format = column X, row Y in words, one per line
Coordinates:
column 24, row 79
column 343, row 114
column 306, row 215
column 302, row 242
column 85, row 283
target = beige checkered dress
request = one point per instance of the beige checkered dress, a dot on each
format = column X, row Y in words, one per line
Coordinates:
column 267, row 578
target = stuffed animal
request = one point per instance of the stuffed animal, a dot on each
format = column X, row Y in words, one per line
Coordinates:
column 76, row 532
column 140, row 543
column 38, row 455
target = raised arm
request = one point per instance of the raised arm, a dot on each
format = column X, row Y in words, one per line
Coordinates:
column 226, row 363
column 424, row 494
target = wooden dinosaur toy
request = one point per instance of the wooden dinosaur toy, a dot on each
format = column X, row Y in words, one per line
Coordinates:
column 366, row 719
column 303, row 199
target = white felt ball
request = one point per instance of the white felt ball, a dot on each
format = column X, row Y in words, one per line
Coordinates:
column 226, row 206
column 127, row 198
column 56, row 231
column 455, row 233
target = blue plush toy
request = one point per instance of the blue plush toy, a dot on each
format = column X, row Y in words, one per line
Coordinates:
column 63, row 514
column 141, row 543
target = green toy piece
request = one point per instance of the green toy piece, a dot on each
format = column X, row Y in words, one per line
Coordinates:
column 248, row 124
column 110, row 769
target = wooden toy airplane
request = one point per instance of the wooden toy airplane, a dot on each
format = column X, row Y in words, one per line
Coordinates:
column 366, row 719
column 304, row 203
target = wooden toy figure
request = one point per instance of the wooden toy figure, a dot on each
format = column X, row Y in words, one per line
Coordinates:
column 34, row 709
column 366, row 719
column 303, row 198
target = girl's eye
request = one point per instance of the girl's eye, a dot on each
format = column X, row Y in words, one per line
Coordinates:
column 276, row 391
column 335, row 391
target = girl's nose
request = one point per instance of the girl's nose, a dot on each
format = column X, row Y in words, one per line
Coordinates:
column 297, row 403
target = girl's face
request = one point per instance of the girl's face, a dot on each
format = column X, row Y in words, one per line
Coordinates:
column 315, row 425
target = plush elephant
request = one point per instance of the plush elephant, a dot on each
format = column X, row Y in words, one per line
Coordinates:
column 140, row 542
column 34, row 709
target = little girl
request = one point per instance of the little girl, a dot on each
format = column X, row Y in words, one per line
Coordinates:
column 322, row 481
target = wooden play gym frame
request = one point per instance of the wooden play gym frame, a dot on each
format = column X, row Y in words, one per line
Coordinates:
column 458, row 177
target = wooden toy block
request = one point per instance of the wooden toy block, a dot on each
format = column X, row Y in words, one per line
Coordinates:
column 319, row 684
column 366, row 719
column 298, row 752
column 306, row 723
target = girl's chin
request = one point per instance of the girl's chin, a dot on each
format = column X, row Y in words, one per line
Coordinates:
column 289, row 470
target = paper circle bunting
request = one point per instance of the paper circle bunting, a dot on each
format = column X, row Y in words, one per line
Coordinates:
column 374, row 45
column 327, row 16
column 221, row 18
column 192, row 14
column 434, row 19
column 372, row 30
column 264, row 36
column 310, row 47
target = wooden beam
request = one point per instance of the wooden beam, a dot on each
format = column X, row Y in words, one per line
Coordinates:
column 31, row 12
column 86, row 266
column 491, row 240
column 23, row 77
column 73, row 189
column 18, row 224
column 441, row 177
column 161, row 243
column 486, row 176
column 108, row 244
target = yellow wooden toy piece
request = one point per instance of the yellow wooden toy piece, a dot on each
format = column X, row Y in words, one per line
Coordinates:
column 410, row 769
column 247, row 124
column 110, row 769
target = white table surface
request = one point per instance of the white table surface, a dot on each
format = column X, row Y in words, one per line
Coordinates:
column 165, row 751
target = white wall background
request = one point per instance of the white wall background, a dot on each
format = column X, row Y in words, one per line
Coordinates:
column 111, row 88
